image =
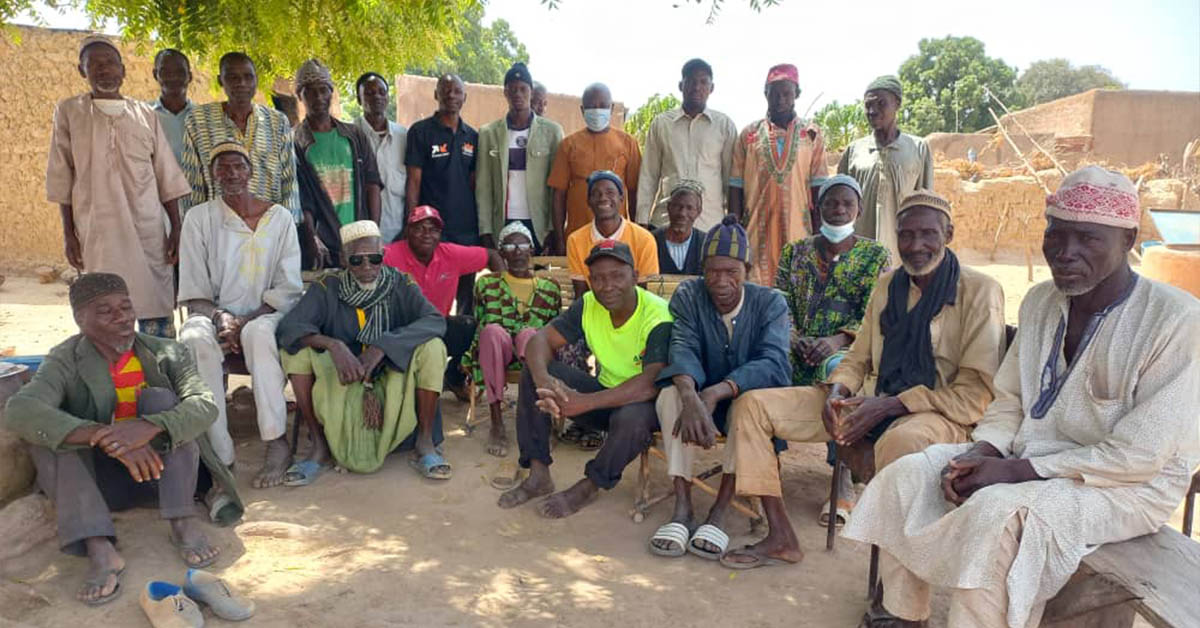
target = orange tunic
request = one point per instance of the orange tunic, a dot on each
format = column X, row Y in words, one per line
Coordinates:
column 584, row 152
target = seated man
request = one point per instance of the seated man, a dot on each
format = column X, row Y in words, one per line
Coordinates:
column 436, row 267
column 1092, row 437
column 729, row 337
column 239, row 273
column 679, row 243
column 606, row 195
column 113, row 417
column 509, row 309
column 363, row 353
column 919, row 373
column 628, row 330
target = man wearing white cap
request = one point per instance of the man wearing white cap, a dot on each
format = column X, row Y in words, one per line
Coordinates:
column 113, row 175
column 239, row 273
column 1085, row 443
column 364, row 353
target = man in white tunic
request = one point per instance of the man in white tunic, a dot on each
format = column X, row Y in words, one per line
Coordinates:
column 239, row 273
column 1085, row 443
column 113, row 175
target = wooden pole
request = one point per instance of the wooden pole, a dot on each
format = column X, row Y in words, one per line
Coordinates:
column 1045, row 152
column 1032, row 170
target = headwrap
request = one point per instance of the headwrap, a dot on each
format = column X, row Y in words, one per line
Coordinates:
column 312, row 72
column 96, row 39
column 89, row 286
column 228, row 146
column 727, row 239
column 514, row 227
column 602, row 175
column 373, row 302
column 358, row 230
column 924, row 198
column 1093, row 194
column 783, row 72
column 889, row 83
column 688, row 185
column 835, row 180
column 518, row 72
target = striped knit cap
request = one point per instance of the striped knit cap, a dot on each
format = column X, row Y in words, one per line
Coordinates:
column 727, row 239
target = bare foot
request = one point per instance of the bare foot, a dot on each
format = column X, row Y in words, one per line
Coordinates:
column 532, row 487
column 194, row 548
column 104, row 575
column 498, row 441
column 276, row 460
column 568, row 502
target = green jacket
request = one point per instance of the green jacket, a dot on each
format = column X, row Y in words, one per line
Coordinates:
column 72, row 388
column 491, row 174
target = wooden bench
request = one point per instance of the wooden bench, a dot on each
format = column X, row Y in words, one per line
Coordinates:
column 1156, row 576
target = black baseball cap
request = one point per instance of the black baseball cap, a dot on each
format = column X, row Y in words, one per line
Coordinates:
column 611, row 248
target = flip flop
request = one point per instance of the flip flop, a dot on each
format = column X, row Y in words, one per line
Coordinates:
column 432, row 466
column 99, row 580
column 184, row 550
column 842, row 516
column 712, row 534
column 303, row 473
column 506, row 477
column 674, row 532
column 591, row 440
column 759, row 560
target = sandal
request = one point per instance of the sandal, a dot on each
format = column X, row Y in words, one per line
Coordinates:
column 99, row 580
column 185, row 550
column 432, row 466
column 303, row 473
column 840, row 518
column 711, row 534
column 759, row 560
column 674, row 532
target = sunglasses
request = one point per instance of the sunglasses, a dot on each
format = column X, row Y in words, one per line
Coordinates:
column 521, row 246
column 374, row 258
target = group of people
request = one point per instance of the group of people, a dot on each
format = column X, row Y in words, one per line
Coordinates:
column 824, row 309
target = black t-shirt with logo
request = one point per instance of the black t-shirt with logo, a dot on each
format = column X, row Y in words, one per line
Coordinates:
column 446, row 158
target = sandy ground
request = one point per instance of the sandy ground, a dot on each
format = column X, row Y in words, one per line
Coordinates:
column 391, row 548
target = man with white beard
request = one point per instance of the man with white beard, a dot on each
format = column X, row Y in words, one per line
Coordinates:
column 1091, row 439
column 919, row 372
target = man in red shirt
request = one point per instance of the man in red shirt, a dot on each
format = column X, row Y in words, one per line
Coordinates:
column 436, row 267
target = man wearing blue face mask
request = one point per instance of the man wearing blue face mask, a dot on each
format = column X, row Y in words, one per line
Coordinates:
column 600, row 146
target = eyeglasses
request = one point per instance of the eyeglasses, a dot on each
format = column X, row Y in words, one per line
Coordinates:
column 520, row 246
column 374, row 258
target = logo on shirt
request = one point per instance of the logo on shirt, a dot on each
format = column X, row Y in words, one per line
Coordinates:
column 522, row 141
column 468, row 149
column 440, row 150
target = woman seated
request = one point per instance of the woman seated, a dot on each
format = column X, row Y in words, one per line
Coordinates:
column 509, row 309
column 364, row 354
column 827, row 279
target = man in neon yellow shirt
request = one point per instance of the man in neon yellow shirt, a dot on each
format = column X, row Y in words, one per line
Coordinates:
column 628, row 331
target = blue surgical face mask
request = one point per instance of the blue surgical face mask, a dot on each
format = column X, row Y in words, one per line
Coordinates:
column 835, row 233
column 597, row 119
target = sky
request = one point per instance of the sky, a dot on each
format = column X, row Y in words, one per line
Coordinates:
column 638, row 46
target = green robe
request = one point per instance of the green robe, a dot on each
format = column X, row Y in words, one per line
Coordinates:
column 73, row 389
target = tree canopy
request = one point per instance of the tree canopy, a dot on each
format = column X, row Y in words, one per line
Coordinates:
column 944, row 86
column 638, row 124
column 842, row 124
column 1051, row 79
column 483, row 53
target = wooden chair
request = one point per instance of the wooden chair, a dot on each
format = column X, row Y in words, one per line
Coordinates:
column 643, row 501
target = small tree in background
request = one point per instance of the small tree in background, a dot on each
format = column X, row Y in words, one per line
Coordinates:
column 638, row 124
column 482, row 55
column 944, row 86
column 1051, row 79
column 842, row 124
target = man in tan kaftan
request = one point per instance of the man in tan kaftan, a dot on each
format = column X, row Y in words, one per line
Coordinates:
column 113, row 174
column 1085, row 443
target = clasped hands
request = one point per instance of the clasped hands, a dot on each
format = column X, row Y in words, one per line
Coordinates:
column 561, row 401
column 129, row 442
column 980, row 467
column 848, row 428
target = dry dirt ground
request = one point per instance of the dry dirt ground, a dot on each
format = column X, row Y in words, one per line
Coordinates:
column 391, row 548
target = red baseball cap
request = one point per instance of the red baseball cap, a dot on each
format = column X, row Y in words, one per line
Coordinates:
column 425, row 212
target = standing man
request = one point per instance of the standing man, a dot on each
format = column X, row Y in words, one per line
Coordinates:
column 600, row 146
column 888, row 164
column 265, row 133
column 112, row 174
column 691, row 142
column 335, row 166
column 516, row 153
column 387, row 139
column 537, row 101
column 440, row 156
column 774, row 162
column 173, row 72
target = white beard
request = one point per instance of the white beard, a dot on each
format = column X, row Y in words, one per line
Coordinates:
column 929, row 268
column 367, row 286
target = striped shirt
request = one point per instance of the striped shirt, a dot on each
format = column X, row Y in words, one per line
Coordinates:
column 268, row 138
column 129, row 380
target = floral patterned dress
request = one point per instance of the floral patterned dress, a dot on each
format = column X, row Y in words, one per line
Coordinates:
column 827, row 297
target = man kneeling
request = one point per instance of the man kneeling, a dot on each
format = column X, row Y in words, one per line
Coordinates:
column 365, row 358
column 110, row 416
column 628, row 330
column 1091, row 439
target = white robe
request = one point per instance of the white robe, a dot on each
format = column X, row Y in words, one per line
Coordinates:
column 1118, row 447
